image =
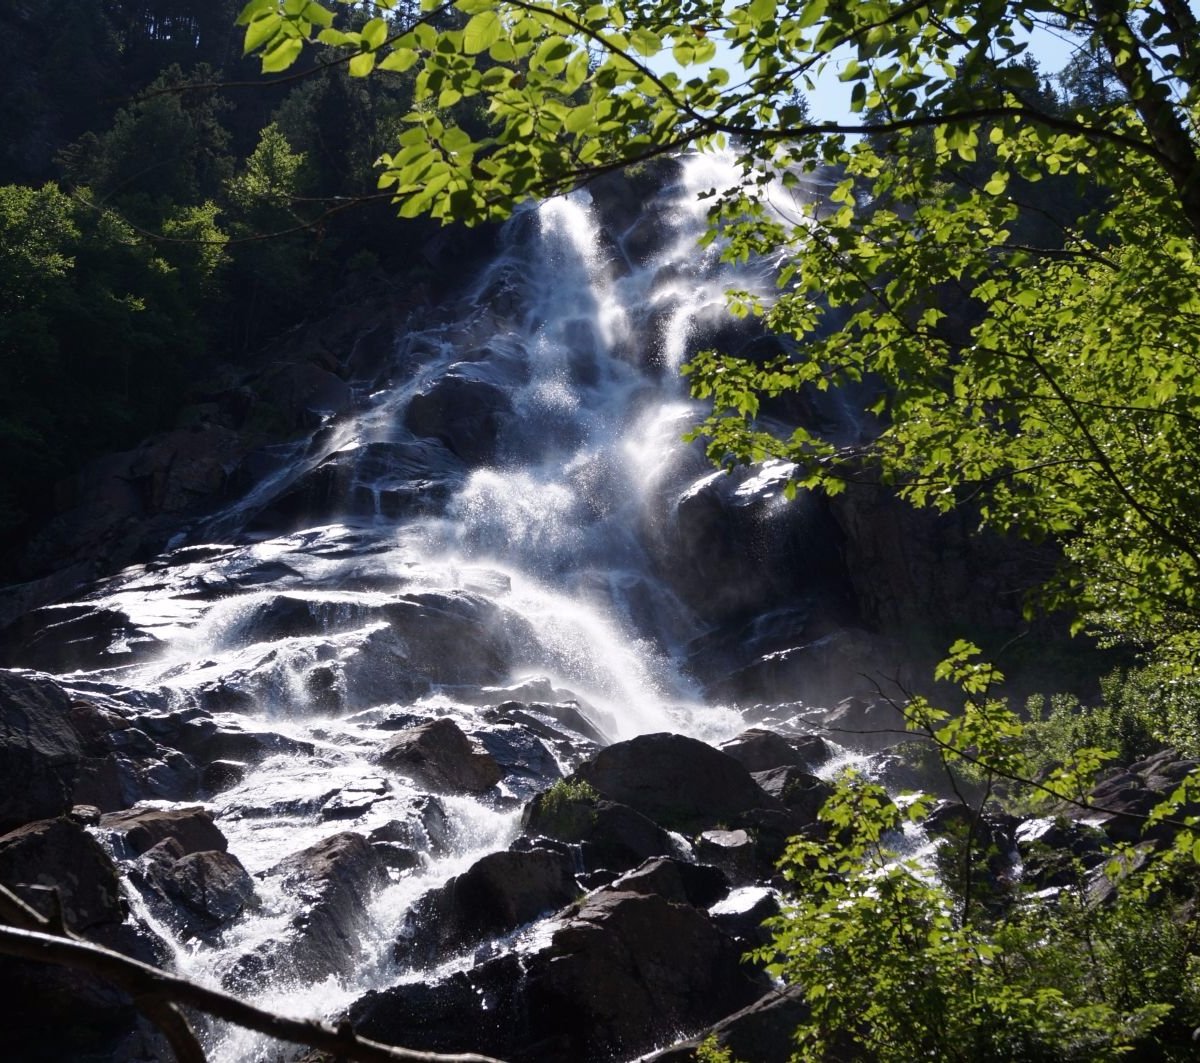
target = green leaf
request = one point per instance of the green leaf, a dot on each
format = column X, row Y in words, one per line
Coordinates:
column 281, row 55
column 362, row 64
column 336, row 38
column 255, row 8
column 375, row 32
column 481, row 32
column 399, row 60
column 579, row 119
column 997, row 185
column 645, row 42
column 260, row 31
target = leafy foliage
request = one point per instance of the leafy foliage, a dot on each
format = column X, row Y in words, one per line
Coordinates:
column 1140, row 710
column 898, row 964
column 1033, row 345
column 97, row 330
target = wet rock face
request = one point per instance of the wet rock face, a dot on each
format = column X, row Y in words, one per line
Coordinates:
column 192, row 828
column 758, row 749
column 499, row 893
column 676, row 881
column 466, row 414
column 1128, row 794
column 334, row 879
column 196, row 892
column 69, row 751
column 66, row 638
column 801, row 791
column 608, row 835
column 763, row 1032
column 625, row 971
column 677, row 781
column 622, row 973
column 58, row 857
column 438, row 755
column 633, row 968
column 38, row 746
column 391, row 479
column 53, row 1012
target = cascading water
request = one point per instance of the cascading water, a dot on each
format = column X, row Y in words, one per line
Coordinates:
column 495, row 536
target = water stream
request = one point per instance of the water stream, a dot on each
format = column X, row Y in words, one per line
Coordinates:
column 536, row 530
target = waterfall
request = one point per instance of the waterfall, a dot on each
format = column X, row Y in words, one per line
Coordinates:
column 499, row 524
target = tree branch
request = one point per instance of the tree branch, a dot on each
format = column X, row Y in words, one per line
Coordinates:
column 154, row 990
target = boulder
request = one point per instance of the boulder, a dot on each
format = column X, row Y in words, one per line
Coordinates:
column 72, row 751
column 478, row 1010
column 609, row 835
column 1053, row 851
column 439, row 755
column 622, row 974
column 527, row 764
column 865, row 723
column 1127, row 795
column 202, row 891
column 628, row 969
column 143, row 828
column 800, row 791
column 226, row 737
column 733, row 851
column 676, row 781
column 676, row 881
column 427, row 829
column 39, row 746
column 55, row 864
column 555, row 722
column 219, row 775
column 498, row 893
column 760, row 750
column 465, row 414
column 762, row 1032
column 60, row 1013
column 350, row 802
column 397, row 857
column 741, row 915
column 333, row 880
column 66, row 638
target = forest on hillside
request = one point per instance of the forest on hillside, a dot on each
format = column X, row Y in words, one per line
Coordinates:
column 165, row 210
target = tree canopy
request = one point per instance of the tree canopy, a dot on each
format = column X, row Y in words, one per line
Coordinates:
column 1016, row 269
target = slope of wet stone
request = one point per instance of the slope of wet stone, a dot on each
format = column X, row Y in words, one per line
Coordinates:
column 616, row 970
column 634, row 961
column 615, row 921
column 643, row 872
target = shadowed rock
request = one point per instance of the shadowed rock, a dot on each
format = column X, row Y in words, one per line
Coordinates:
column 143, row 828
column 55, row 865
column 499, row 893
column 609, row 835
column 760, row 750
column 676, row 881
column 762, row 1032
column 440, row 756
column 39, row 747
column 623, row 973
column 201, row 890
column 678, row 782
column 334, row 880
